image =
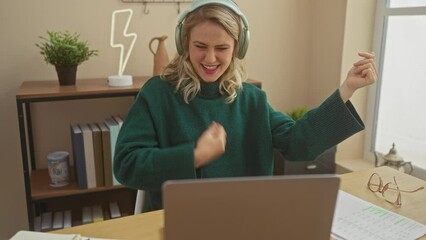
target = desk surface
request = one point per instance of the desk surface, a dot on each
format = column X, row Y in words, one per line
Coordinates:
column 149, row 226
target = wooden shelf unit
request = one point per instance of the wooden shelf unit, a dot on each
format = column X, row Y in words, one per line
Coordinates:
column 37, row 188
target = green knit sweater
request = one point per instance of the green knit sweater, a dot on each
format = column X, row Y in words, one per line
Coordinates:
column 156, row 142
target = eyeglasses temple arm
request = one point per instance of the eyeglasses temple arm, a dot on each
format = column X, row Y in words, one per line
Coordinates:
column 407, row 191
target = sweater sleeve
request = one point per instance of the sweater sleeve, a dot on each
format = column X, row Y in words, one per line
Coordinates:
column 319, row 129
column 139, row 161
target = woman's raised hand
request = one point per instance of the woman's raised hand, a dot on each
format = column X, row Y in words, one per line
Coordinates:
column 210, row 145
column 362, row 73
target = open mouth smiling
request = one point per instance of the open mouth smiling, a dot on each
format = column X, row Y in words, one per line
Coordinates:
column 210, row 67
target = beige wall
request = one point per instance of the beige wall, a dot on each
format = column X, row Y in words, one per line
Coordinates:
column 358, row 36
column 328, row 26
column 295, row 50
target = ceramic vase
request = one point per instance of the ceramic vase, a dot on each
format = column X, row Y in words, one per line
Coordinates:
column 161, row 58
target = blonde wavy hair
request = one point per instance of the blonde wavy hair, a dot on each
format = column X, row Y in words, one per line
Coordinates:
column 180, row 72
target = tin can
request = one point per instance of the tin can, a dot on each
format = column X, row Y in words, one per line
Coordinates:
column 58, row 165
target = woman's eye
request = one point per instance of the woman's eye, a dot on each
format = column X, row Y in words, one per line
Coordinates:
column 200, row 46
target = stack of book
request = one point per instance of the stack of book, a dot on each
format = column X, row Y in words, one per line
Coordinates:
column 93, row 148
column 50, row 220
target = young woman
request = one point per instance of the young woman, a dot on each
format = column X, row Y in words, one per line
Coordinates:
column 199, row 119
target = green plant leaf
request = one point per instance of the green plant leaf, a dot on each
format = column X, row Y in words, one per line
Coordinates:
column 297, row 113
column 63, row 49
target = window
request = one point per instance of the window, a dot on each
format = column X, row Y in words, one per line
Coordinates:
column 399, row 100
column 406, row 3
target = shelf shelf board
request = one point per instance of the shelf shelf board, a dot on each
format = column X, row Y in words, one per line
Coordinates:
column 41, row 190
column 40, row 90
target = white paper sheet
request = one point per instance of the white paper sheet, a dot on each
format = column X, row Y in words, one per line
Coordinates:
column 29, row 235
column 356, row 219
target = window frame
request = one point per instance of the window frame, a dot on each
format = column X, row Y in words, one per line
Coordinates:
column 383, row 11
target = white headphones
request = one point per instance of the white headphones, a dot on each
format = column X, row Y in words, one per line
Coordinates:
column 243, row 38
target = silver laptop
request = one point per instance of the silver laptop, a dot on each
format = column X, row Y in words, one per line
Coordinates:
column 250, row 208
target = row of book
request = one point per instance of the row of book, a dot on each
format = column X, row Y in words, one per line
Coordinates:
column 49, row 221
column 93, row 148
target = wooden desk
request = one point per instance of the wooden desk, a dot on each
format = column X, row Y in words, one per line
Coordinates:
column 149, row 226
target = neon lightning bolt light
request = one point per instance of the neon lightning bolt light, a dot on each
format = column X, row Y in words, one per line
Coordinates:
column 120, row 79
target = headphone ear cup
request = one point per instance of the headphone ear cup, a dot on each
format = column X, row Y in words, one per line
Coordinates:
column 178, row 39
column 243, row 43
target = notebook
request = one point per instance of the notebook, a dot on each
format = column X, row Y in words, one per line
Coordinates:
column 250, row 208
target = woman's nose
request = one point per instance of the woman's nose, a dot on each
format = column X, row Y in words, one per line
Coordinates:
column 210, row 56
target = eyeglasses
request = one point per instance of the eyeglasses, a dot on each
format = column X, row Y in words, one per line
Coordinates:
column 390, row 191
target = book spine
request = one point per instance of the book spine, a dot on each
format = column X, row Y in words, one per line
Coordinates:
column 118, row 119
column 114, row 130
column 87, row 215
column 114, row 210
column 67, row 219
column 89, row 155
column 46, row 221
column 37, row 223
column 78, row 155
column 58, row 220
column 106, row 154
column 97, row 213
column 97, row 150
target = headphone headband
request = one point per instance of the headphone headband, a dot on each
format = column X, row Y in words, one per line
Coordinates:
column 243, row 38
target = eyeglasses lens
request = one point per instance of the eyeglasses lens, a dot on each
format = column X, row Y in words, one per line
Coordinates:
column 391, row 192
column 374, row 183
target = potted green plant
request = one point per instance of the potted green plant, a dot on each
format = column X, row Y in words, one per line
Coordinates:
column 65, row 51
column 297, row 113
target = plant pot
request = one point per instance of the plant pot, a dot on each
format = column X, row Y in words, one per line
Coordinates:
column 66, row 75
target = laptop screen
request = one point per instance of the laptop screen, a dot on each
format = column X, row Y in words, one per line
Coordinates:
column 272, row 207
